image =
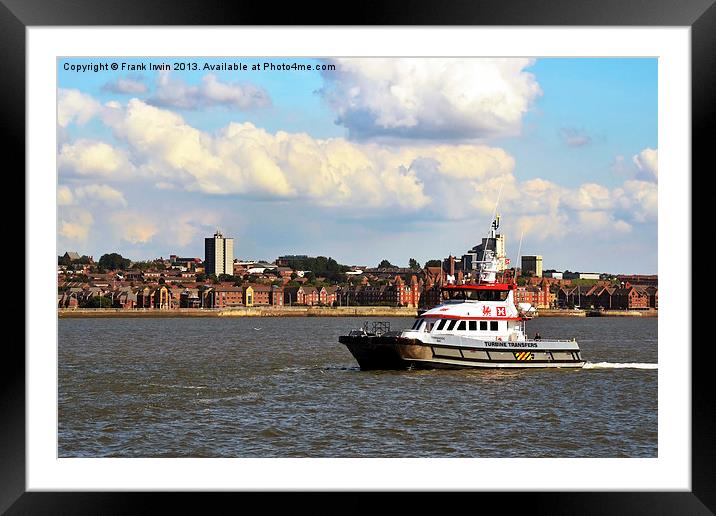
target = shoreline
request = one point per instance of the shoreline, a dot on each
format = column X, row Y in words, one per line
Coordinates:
column 262, row 311
column 311, row 311
column 598, row 313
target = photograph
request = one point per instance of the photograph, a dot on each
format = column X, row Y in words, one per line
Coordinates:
column 357, row 257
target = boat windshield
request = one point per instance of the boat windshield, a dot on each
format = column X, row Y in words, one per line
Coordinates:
column 475, row 295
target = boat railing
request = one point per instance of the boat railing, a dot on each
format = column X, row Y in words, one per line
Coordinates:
column 376, row 327
column 550, row 340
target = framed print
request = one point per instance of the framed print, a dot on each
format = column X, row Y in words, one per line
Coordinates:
column 328, row 175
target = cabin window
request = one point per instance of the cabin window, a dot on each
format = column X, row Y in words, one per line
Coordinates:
column 429, row 326
column 416, row 324
column 451, row 325
column 473, row 325
column 461, row 326
column 483, row 325
column 493, row 325
column 475, row 295
column 442, row 324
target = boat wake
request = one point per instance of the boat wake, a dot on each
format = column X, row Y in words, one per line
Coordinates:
column 609, row 365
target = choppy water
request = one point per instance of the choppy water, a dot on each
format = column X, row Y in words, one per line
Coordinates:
column 285, row 387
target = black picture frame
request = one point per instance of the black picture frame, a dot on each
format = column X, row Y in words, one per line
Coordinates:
column 17, row 15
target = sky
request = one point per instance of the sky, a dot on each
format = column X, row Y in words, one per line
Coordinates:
column 361, row 159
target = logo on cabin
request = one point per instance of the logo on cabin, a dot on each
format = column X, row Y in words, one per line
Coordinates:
column 486, row 310
column 501, row 311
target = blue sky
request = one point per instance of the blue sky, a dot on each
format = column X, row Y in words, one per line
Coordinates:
column 373, row 159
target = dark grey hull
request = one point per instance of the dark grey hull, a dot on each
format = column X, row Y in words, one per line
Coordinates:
column 396, row 353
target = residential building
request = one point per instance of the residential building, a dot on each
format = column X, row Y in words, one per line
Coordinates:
column 219, row 255
column 276, row 296
column 532, row 264
column 222, row 296
column 639, row 279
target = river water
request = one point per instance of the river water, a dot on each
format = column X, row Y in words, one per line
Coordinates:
column 285, row 387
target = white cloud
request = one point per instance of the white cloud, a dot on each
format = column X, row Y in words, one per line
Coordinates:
column 75, row 106
column 597, row 221
column 590, row 196
column 647, row 162
column 65, row 196
column 93, row 158
column 100, row 193
column 244, row 159
column 75, row 224
column 173, row 92
column 188, row 226
column 133, row 227
column 169, row 230
column 573, row 137
column 448, row 99
column 435, row 182
column 638, row 199
column 90, row 194
column 126, row 85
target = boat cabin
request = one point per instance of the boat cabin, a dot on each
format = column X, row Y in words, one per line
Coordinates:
column 492, row 292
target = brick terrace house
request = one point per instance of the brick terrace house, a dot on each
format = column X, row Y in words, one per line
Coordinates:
column 603, row 297
column 631, row 298
column 653, row 297
column 331, row 295
column 535, row 296
column 189, row 298
column 310, row 296
column 222, row 296
column 257, row 294
column 276, row 296
column 125, row 297
column 291, row 294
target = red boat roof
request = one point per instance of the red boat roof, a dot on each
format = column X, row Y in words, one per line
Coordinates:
column 486, row 286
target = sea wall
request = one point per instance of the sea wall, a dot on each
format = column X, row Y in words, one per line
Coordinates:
column 256, row 311
column 623, row 313
column 597, row 313
column 316, row 311
column 561, row 313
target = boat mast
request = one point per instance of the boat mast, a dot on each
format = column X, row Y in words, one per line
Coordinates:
column 491, row 236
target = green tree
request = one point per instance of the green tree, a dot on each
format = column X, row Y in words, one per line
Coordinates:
column 385, row 264
column 97, row 302
column 113, row 262
column 433, row 263
column 325, row 267
column 200, row 277
column 413, row 264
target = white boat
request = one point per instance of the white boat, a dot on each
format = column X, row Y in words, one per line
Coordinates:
column 476, row 326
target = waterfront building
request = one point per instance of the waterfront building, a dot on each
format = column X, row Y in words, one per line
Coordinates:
column 219, row 255
column 532, row 264
column 71, row 256
column 222, row 296
column 639, row 279
column 589, row 275
column 276, row 296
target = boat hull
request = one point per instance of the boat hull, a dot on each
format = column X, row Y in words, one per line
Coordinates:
column 396, row 352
